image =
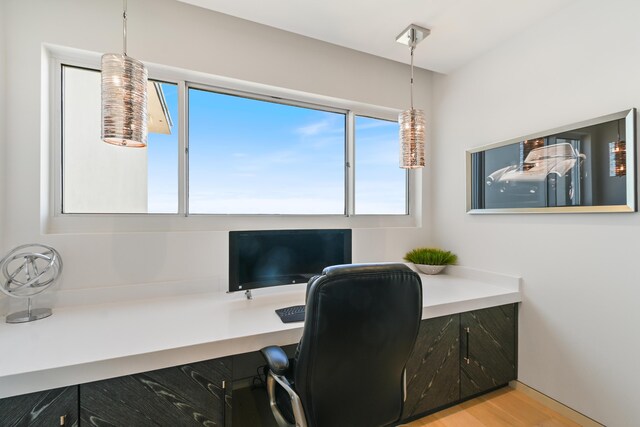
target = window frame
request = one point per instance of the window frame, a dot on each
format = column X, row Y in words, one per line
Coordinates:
column 55, row 221
column 60, row 196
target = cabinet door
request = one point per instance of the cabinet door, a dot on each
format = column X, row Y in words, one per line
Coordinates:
column 189, row 395
column 488, row 349
column 58, row 407
column 433, row 370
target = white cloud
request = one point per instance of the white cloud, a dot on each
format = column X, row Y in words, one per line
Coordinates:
column 329, row 124
column 313, row 128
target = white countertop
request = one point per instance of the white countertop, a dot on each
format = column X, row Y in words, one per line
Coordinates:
column 89, row 342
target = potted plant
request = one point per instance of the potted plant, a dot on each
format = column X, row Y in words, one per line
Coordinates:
column 430, row 260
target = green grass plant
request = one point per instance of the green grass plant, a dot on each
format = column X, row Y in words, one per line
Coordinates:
column 431, row 256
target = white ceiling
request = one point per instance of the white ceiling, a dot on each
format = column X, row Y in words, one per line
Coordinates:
column 460, row 29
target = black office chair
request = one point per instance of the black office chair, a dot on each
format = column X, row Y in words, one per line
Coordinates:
column 360, row 327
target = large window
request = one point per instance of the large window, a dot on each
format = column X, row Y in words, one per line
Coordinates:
column 248, row 156
column 101, row 178
column 238, row 154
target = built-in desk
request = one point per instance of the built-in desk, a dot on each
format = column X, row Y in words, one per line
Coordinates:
column 87, row 342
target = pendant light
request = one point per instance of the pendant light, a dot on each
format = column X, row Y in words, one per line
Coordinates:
column 617, row 156
column 412, row 121
column 124, row 96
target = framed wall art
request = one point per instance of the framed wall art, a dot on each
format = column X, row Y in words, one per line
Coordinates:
column 584, row 167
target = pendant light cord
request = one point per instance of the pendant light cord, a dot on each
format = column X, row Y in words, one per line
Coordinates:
column 412, row 43
column 413, row 46
column 124, row 27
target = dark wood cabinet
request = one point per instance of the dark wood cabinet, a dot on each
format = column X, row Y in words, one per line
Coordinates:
column 455, row 357
column 488, row 349
column 189, row 395
column 460, row 356
column 433, row 371
column 57, row 407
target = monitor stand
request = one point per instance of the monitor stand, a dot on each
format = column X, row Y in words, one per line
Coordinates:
column 247, row 293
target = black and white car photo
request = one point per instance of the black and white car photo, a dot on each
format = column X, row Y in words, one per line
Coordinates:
column 543, row 166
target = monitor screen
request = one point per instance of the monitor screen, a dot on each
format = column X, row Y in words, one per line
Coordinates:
column 258, row 259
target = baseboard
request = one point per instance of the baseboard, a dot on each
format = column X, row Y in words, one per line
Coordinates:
column 550, row 403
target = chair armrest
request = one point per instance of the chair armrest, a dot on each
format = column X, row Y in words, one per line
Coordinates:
column 276, row 358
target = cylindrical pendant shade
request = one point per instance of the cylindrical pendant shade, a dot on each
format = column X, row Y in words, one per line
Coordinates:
column 124, row 101
column 412, row 138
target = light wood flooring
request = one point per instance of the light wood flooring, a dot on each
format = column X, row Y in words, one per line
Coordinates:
column 504, row 407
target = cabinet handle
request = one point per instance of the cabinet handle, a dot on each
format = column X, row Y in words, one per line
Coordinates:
column 466, row 359
column 63, row 420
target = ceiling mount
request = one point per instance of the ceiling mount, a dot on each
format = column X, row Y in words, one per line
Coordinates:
column 413, row 34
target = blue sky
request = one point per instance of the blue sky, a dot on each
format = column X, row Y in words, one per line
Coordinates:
column 256, row 157
column 248, row 156
column 380, row 182
column 162, row 156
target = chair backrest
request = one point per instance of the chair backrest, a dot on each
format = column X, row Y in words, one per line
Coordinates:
column 361, row 324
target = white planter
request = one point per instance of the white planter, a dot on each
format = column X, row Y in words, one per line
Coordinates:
column 430, row 269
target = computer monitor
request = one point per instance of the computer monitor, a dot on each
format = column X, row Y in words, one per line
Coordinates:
column 259, row 259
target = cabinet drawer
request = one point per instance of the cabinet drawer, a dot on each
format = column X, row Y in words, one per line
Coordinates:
column 487, row 349
column 433, row 370
column 189, row 395
column 57, row 407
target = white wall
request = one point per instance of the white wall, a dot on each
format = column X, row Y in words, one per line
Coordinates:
column 578, row 338
column 3, row 99
column 175, row 34
column 2, row 134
